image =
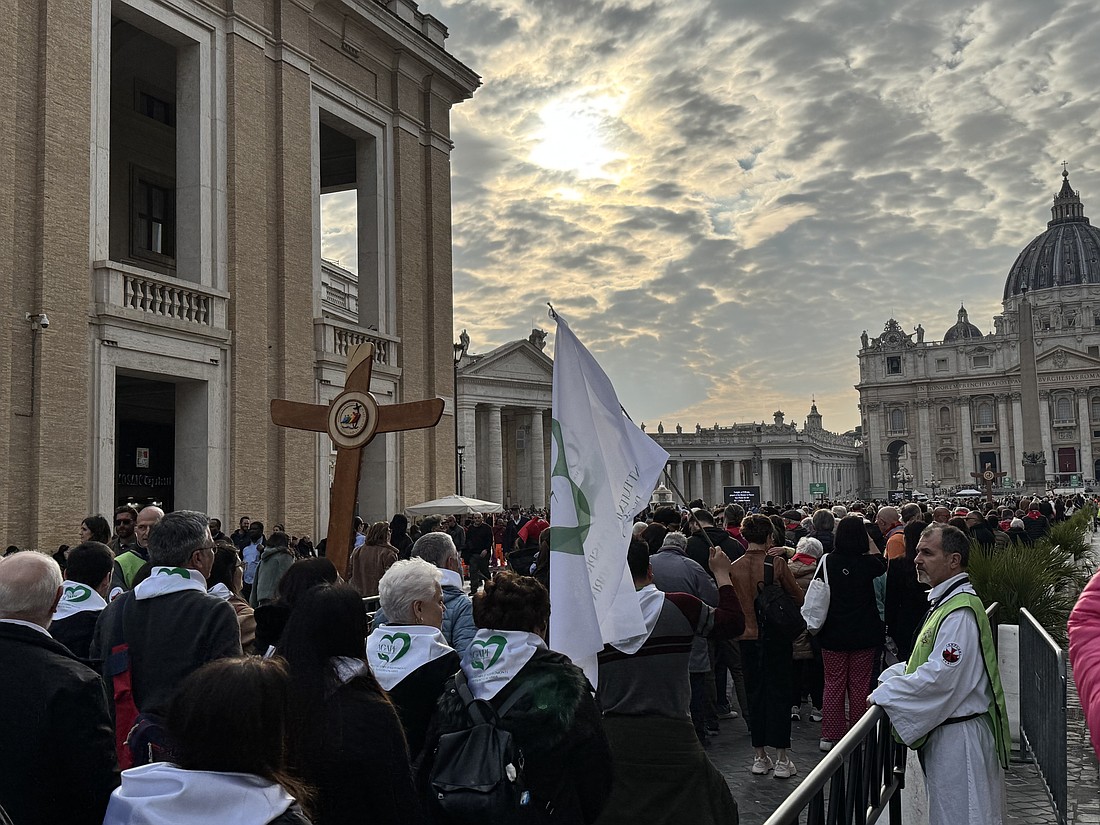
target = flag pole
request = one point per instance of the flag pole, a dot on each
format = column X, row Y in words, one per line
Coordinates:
column 676, row 490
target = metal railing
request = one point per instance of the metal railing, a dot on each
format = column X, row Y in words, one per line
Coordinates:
column 1043, row 708
column 864, row 774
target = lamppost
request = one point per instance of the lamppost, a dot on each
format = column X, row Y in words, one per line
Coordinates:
column 932, row 483
column 458, row 348
column 461, row 468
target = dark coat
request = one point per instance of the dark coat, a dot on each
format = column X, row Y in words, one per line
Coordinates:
column 654, row 536
column 416, row 696
column 906, row 604
column 983, row 535
column 57, row 741
column 76, row 631
column 698, row 548
column 557, row 726
column 1036, row 525
column 852, row 622
column 1018, row 534
column 511, row 531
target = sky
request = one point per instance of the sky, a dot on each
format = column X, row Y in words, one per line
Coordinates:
column 721, row 196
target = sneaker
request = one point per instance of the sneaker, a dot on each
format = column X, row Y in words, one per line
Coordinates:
column 796, row 713
column 785, row 769
column 761, row 765
column 825, row 745
column 816, row 715
column 726, row 712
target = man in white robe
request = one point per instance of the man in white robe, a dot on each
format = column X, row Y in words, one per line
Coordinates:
column 948, row 696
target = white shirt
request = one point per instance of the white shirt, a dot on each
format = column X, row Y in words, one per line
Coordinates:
column 31, row 625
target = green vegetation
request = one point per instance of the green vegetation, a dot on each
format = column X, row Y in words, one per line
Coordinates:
column 1045, row 578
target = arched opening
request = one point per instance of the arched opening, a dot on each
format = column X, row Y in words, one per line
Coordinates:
column 1063, row 409
column 896, row 453
column 945, row 418
column 985, row 414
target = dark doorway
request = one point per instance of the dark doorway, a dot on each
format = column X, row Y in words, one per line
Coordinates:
column 145, row 437
column 1067, row 459
column 989, row 458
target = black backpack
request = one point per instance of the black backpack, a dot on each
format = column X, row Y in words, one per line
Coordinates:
column 777, row 616
column 477, row 773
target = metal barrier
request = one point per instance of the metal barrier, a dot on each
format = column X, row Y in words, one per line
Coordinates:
column 864, row 773
column 1043, row 708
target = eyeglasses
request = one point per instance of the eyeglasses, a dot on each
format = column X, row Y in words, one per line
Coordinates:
column 123, row 521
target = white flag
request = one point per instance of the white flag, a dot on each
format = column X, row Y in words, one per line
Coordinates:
column 604, row 470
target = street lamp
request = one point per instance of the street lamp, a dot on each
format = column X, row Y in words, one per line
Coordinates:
column 458, row 349
column 932, row 483
column 461, row 468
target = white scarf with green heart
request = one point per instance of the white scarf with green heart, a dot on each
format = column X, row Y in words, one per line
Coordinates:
column 165, row 580
column 495, row 657
column 396, row 650
column 77, row 598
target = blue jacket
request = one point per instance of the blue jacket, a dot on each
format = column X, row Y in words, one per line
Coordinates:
column 458, row 618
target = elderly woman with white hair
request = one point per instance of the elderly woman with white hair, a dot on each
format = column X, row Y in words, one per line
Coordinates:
column 809, row 673
column 410, row 656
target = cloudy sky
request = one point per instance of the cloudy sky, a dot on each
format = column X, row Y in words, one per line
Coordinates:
column 720, row 196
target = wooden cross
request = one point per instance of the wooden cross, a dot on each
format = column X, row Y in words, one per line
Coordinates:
column 352, row 420
column 987, row 477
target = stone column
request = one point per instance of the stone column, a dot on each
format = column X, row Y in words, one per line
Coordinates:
column 467, row 434
column 716, row 483
column 696, row 481
column 538, row 460
column 1044, row 433
column 799, row 490
column 1017, row 436
column 876, row 474
column 924, row 433
column 496, row 457
column 966, row 444
column 1084, row 426
column 677, row 476
column 1005, row 452
column 765, row 480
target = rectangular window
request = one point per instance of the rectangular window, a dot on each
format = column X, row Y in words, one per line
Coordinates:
column 941, row 365
column 981, row 360
column 153, row 237
column 893, row 365
column 1094, row 352
column 985, row 439
column 155, row 107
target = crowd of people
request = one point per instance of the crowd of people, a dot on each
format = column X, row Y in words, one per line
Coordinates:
column 162, row 671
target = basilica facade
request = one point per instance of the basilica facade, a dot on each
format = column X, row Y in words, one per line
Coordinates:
column 164, row 164
column 938, row 411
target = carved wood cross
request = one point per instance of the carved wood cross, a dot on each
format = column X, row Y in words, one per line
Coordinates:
column 352, row 421
column 987, row 477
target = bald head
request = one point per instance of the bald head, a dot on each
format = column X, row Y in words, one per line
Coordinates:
column 147, row 519
column 887, row 517
column 30, row 586
column 941, row 514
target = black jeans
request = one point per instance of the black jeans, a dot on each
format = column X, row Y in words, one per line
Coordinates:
column 727, row 659
column 768, row 679
column 479, row 570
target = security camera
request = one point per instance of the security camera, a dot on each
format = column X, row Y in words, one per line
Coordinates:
column 39, row 320
column 44, row 321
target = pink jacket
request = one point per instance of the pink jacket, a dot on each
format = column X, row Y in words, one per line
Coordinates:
column 1084, row 655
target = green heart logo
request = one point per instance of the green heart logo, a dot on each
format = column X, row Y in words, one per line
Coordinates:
column 174, row 571
column 77, row 593
column 393, row 646
column 480, row 652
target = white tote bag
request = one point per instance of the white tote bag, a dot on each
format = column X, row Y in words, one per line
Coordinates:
column 815, row 606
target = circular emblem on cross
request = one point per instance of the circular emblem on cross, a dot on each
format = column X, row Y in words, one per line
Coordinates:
column 352, row 419
column 989, row 475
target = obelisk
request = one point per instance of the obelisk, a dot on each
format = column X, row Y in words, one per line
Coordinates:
column 1034, row 461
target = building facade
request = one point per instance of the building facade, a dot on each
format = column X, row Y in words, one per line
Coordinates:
column 164, row 166
column 945, row 409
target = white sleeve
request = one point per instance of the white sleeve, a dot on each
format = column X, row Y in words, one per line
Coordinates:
column 940, row 688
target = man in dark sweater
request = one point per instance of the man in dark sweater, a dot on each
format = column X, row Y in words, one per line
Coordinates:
column 698, row 546
column 171, row 624
column 83, row 596
column 662, row 773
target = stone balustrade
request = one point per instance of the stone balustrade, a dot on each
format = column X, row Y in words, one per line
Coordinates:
column 338, row 338
column 140, row 295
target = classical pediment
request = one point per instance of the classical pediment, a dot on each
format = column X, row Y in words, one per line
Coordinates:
column 516, row 361
column 1060, row 358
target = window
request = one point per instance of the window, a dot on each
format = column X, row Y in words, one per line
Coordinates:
column 941, row 365
column 1096, row 408
column 1063, row 409
column 1094, row 352
column 981, row 360
column 154, row 219
column 947, row 467
column 897, row 420
column 893, row 365
column 155, row 107
column 945, row 418
column 985, row 414
column 985, row 439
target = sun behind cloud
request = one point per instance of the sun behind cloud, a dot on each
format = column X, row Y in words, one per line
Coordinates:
column 574, row 135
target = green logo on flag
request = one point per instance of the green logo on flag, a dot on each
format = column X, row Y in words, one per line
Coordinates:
column 393, row 646
column 478, row 656
column 569, row 539
column 77, row 593
column 174, row 571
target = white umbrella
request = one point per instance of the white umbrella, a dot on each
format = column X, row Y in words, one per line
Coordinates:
column 970, row 492
column 453, row 505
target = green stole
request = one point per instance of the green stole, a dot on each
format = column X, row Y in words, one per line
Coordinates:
column 997, row 713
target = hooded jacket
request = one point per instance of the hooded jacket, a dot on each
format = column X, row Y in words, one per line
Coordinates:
column 162, row 794
column 1036, row 525
column 567, row 759
column 698, row 548
column 273, row 563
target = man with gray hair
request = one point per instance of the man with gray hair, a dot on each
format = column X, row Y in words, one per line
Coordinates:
column 127, row 564
column 169, row 623
column 58, row 760
column 458, row 614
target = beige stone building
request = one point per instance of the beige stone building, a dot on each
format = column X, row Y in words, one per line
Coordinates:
column 162, row 168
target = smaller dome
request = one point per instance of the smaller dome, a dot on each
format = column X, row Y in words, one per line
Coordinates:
column 962, row 329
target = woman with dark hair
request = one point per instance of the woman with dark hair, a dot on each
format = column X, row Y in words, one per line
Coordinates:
column 225, row 582
column 767, row 663
column 272, row 617
column 95, row 528
column 344, row 737
column 554, row 721
column 228, row 722
column 409, row 655
column 399, row 536
column 369, row 562
column 853, row 632
column 906, row 597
